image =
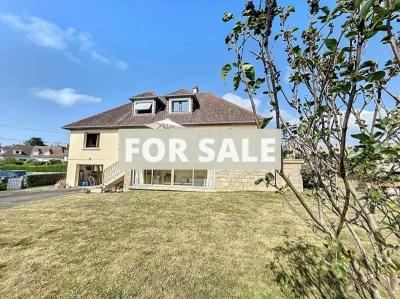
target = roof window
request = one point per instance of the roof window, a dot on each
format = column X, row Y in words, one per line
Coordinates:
column 143, row 107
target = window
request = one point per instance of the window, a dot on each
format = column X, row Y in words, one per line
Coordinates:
column 92, row 140
column 180, row 106
column 197, row 178
column 143, row 107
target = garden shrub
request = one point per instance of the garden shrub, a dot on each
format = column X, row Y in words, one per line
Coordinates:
column 43, row 179
column 36, row 168
column 307, row 175
column 54, row 162
column 3, row 186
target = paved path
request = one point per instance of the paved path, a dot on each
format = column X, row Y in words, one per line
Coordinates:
column 17, row 197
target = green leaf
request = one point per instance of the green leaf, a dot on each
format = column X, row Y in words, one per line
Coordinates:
column 269, row 177
column 377, row 76
column 352, row 34
column 361, row 136
column 236, row 81
column 365, row 8
column 225, row 70
column 296, row 50
column 340, row 269
column 396, row 6
column 265, row 122
column 331, row 43
column 249, row 71
column 368, row 63
column 259, row 181
column 227, row 17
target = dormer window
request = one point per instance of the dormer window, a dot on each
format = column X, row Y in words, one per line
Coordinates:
column 18, row 152
column 179, row 105
column 143, row 107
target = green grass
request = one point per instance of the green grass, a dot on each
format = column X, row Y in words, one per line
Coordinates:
column 148, row 245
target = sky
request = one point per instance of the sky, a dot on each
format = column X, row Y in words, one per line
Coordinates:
column 65, row 60
column 61, row 61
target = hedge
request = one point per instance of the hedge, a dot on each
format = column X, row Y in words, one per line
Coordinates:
column 44, row 179
column 36, row 168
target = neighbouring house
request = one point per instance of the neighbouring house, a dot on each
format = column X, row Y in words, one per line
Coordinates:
column 46, row 153
column 3, row 150
column 93, row 151
column 18, row 152
column 39, row 153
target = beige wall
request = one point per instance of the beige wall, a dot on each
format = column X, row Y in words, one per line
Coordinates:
column 106, row 154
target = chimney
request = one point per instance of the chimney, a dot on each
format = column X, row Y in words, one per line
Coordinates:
column 195, row 89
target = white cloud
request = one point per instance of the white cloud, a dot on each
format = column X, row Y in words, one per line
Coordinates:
column 65, row 96
column 39, row 31
column 49, row 35
column 245, row 103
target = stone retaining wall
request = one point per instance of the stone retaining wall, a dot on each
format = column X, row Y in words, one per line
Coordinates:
column 243, row 180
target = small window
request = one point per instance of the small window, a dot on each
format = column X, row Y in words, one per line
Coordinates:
column 180, row 106
column 143, row 107
column 92, row 140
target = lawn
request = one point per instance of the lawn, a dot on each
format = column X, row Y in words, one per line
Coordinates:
column 151, row 244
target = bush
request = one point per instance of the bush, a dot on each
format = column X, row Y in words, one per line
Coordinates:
column 54, row 162
column 3, row 186
column 308, row 177
column 44, row 179
column 36, row 168
column 34, row 162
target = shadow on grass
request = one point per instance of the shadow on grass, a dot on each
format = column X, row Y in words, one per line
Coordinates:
column 303, row 270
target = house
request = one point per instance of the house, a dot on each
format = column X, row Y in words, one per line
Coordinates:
column 39, row 153
column 18, row 152
column 3, row 150
column 46, row 153
column 93, row 152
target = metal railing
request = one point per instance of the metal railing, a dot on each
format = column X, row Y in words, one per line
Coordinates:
column 111, row 172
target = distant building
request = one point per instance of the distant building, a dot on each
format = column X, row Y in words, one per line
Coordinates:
column 39, row 153
column 46, row 153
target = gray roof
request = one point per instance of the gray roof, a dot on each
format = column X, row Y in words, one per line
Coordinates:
column 209, row 110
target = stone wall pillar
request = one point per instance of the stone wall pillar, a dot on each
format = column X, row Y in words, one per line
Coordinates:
column 127, row 179
column 292, row 169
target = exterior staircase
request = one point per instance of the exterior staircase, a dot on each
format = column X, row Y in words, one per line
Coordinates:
column 112, row 175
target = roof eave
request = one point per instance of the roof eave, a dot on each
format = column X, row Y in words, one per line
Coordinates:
column 145, row 126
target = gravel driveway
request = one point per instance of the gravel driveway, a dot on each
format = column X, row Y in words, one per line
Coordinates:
column 9, row 199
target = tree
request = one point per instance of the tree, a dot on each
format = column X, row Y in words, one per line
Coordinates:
column 340, row 95
column 33, row 141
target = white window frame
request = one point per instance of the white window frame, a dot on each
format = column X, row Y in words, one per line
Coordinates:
column 85, row 139
column 144, row 101
column 171, row 105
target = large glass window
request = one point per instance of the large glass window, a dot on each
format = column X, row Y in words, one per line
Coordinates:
column 200, row 178
column 183, row 177
column 180, row 106
column 172, row 177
